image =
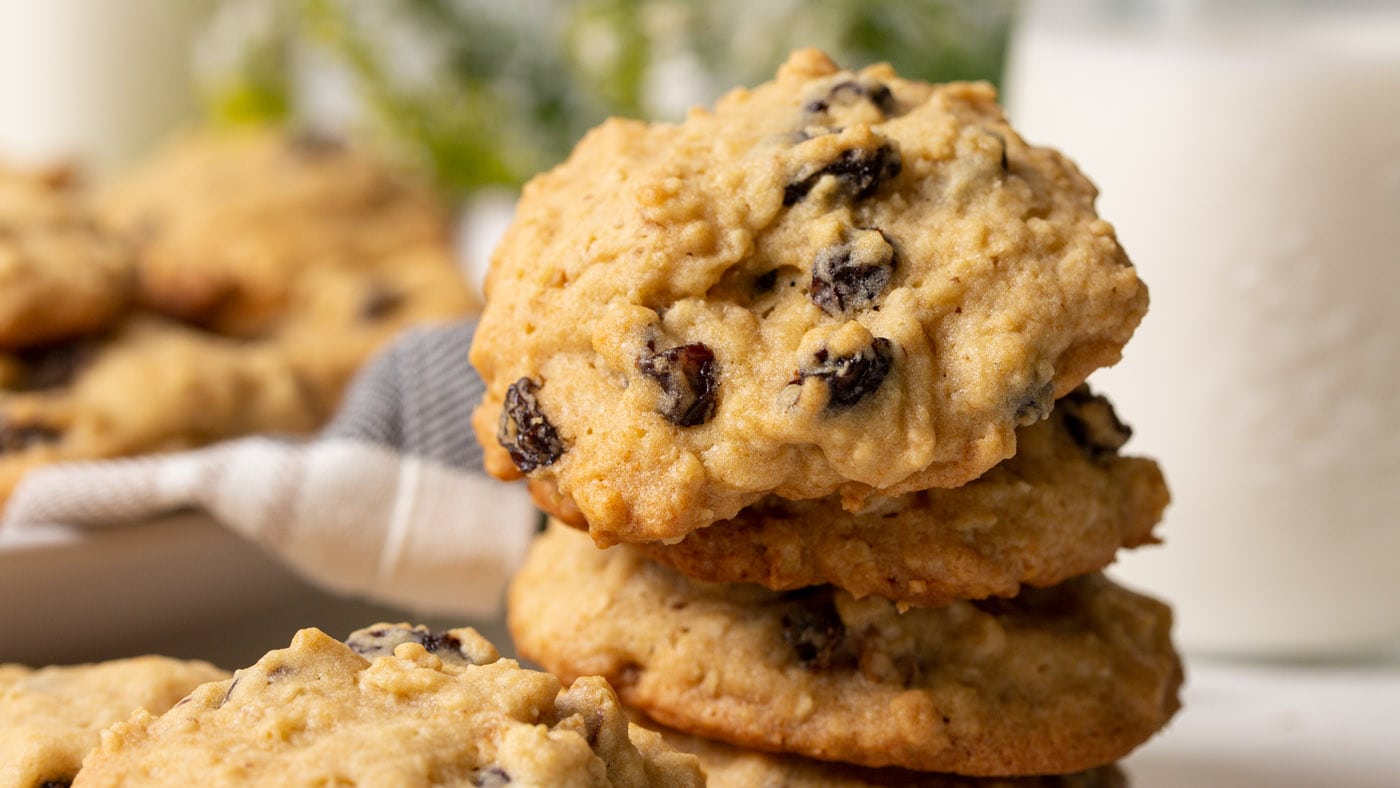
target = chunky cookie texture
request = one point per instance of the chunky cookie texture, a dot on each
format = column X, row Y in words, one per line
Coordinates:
column 54, row 715
column 836, row 283
column 1054, row 681
column 728, row 766
column 1061, row 507
column 61, row 275
column 424, row 709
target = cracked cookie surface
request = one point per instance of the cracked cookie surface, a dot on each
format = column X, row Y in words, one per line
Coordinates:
column 1056, row 680
column 833, row 284
column 417, row 709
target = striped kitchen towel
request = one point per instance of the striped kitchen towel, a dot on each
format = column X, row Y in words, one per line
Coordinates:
column 389, row 502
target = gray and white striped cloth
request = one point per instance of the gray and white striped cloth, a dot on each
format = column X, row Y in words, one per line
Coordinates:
column 389, row 502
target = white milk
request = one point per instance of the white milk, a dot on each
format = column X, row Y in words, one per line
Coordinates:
column 95, row 81
column 1252, row 168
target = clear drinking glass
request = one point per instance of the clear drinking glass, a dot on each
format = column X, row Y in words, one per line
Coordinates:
column 1249, row 155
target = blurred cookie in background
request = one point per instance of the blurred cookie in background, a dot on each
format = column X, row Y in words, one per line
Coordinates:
column 338, row 317
column 55, row 715
column 152, row 385
column 61, row 275
column 225, row 222
column 266, row 268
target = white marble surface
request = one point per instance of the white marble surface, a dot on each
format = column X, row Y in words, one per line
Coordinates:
column 1297, row 726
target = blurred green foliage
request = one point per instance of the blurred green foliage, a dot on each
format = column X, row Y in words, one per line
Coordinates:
column 489, row 92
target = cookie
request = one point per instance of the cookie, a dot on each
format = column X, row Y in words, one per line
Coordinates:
column 835, row 283
column 158, row 385
column 727, row 766
column 1061, row 507
column 55, row 715
column 437, row 709
column 225, row 221
column 153, row 385
column 338, row 318
column 60, row 274
column 1055, row 681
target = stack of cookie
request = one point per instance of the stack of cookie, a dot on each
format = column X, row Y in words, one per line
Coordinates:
column 232, row 285
column 817, row 356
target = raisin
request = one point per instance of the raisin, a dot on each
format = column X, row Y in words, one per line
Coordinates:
column 378, row 303
column 313, row 143
column 689, row 381
column 52, row 366
column 491, row 777
column 373, row 642
column 880, row 95
column 814, row 631
column 381, row 642
column 55, row 784
column 1092, row 423
column 17, row 437
column 438, row 642
column 851, row 275
column 229, row 692
column 1035, row 404
column 850, row 378
column 860, row 171
column 524, row 431
column 765, row 282
column 1005, row 162
column 849, row 91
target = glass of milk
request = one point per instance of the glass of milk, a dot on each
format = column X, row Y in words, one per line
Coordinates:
column 90, row 81
column 1249, row 156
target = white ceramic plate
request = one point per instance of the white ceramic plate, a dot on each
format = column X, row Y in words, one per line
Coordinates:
column 179, row 585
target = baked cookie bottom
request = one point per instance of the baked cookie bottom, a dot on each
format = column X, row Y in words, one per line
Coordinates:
column 728, row 766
